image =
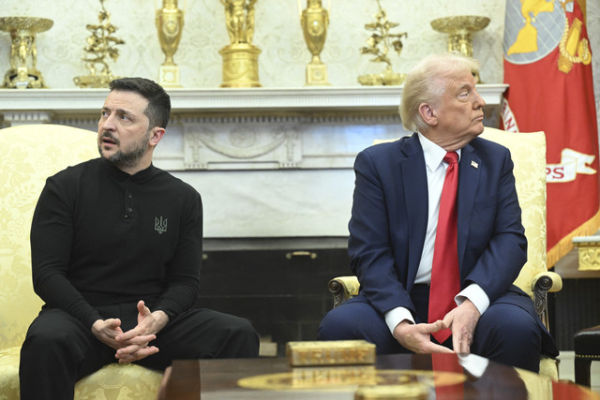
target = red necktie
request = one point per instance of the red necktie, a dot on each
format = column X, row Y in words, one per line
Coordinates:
column 444, row 363
column 445, row 278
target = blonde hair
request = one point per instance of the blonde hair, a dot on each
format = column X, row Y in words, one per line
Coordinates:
column 425, row 84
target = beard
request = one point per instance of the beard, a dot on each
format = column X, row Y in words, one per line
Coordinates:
column 126, row 158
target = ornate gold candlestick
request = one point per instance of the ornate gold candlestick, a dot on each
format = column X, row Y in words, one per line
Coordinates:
column 100, row 45
column 379, row 44
column 240, row 57
column 459, row 29
column 169, row 24
column 23, row 72
column 314, row 21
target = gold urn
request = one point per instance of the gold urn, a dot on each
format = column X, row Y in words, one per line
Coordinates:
column 459, row 29
column 23, row 72
column 314, row 21
column 240, row 57
column 169, row 24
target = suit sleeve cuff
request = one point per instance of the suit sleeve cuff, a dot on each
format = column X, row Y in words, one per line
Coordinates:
column 476, row 295
column 397, row 315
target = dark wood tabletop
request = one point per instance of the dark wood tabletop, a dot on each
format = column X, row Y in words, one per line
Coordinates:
column 448, row 376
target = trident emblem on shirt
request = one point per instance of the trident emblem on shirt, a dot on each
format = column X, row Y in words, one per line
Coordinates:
column 160, row 225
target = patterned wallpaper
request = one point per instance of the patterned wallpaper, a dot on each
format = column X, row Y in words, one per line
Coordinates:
column 278, row 33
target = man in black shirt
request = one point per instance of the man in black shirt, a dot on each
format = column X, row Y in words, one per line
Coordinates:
column 116, row 249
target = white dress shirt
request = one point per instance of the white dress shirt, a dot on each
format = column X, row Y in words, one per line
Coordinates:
column 436, row 173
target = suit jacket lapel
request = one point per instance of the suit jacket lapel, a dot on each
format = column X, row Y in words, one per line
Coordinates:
column 468, row 180
column 414, row 180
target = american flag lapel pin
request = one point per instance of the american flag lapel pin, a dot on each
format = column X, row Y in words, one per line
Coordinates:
column 474, row 164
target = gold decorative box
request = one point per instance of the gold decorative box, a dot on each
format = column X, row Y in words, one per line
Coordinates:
column 335, row 352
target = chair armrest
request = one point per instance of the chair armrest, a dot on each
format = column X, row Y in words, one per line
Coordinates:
column 541, row 284
column 343, row 288
column 548, row 281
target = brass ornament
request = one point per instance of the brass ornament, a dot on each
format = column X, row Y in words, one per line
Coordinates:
column 23, row 72
column 459, row 28
column 314, row 21
column 169, row 24
column 101, row 44
column 379, row 44
column 588, row 249
column 240, row 57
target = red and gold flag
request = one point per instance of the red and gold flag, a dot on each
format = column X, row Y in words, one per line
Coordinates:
column 547, row 64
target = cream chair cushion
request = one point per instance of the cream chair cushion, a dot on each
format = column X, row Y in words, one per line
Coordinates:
column 31, row 153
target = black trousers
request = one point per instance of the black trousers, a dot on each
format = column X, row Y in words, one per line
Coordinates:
column 59, row 350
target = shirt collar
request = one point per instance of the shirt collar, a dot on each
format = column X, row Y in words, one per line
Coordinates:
column 434, row 154
column 139, row 177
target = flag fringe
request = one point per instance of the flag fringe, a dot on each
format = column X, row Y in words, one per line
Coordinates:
column 565, row 245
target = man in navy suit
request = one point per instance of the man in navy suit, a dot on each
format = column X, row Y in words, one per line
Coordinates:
column 395, row 219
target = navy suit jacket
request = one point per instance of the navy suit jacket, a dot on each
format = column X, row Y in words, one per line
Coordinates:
column 389, row 220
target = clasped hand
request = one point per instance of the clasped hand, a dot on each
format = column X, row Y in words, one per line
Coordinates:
column 462, row 320
column 133, row 344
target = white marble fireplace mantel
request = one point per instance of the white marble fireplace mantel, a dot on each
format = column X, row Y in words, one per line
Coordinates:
column 268, row 162
column 63, row 101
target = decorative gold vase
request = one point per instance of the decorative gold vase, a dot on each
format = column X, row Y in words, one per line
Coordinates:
column 23, row 72
column 459, row 29
column 240, row 57
column 314, row 21
column 169, row 24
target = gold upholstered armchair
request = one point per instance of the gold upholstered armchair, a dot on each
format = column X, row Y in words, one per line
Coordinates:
column 31, row 153
column 528, row 151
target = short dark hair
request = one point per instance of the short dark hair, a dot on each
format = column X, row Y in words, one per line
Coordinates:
column 159, row 102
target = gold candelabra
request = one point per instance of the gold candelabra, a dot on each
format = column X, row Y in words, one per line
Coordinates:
column 23, row 72
column 169, row 24
column 100, row 45
column 459, row 29
column 314, row 21
column 379, row 44
column 240, row 57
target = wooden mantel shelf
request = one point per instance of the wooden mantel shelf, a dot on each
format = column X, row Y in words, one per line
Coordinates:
column 228, row 100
